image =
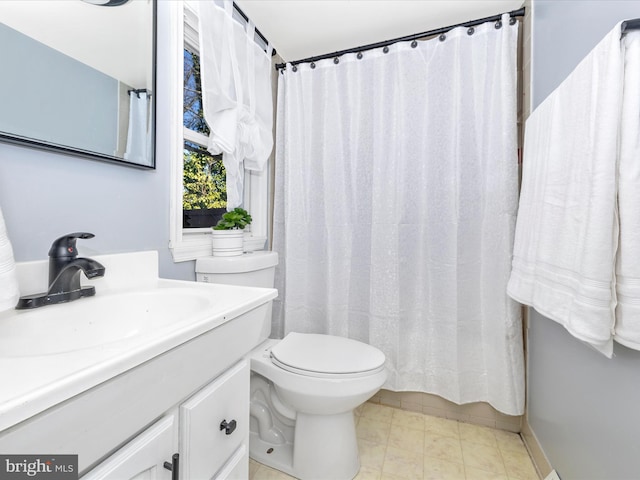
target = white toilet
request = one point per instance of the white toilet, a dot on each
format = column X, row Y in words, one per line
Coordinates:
column 304, row 387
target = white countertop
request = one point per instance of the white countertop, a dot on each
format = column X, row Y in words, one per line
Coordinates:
column 31, row 384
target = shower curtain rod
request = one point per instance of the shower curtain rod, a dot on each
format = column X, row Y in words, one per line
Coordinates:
column 246, row 19
column 371, row 46
column 138, row 91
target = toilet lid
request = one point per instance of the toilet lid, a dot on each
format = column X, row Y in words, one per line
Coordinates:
column 326, row 354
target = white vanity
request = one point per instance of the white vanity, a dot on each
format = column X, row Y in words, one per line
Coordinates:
column 167, row 376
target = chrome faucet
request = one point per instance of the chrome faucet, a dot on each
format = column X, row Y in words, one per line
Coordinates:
column 64, row 274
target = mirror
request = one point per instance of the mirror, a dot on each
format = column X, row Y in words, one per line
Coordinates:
column 78, row 77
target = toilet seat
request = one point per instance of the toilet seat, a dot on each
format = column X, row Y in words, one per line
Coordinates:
column 317, row 355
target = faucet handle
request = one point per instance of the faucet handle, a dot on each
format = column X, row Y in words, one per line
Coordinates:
column 66, row 246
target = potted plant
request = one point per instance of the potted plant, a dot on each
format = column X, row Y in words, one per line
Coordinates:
column 228, row 233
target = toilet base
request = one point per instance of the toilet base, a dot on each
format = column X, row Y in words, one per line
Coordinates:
column 325, row 446
column 280, row 458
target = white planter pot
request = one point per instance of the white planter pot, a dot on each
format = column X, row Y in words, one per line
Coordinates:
column 227, row 243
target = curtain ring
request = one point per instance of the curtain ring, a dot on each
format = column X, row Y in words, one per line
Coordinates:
column 470, row 30
column 294, row 68
column 336, row 60
column 385, row 49
column 313, row 65
column 498, row 24
column 442, row 37
column 359, row 56
column 512, row 21
column 414, row 44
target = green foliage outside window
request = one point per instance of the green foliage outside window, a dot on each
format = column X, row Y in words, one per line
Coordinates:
column 204, row 179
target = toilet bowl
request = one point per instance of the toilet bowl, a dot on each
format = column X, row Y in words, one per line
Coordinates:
column 310, row 384
column 304, row 387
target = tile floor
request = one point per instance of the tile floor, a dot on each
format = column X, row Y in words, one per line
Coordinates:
column 400, row 445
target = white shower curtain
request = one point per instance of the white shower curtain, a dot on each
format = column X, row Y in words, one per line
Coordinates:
column 139, row 134
column 395, row 203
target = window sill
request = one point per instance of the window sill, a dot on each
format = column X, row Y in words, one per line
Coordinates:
column 254, row 244
column 196, row 243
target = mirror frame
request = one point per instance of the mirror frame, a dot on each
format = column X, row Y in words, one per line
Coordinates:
column 78, row 152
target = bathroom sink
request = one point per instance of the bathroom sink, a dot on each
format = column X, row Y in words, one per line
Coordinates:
column 99, row 321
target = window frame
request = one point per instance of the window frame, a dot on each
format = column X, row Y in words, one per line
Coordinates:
column 189, row 244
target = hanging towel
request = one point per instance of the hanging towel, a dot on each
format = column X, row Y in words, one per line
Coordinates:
column 627, row 330
column 567, row 227
column 9, row 292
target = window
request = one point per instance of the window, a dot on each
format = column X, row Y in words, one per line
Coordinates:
column 204, row 196
column 197, row 177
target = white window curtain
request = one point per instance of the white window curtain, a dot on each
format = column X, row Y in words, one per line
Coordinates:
column 237, row 98
column 396, row 196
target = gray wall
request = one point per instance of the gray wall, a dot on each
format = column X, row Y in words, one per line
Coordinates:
column 44, row 195
column 583, row 408
column 50, row 96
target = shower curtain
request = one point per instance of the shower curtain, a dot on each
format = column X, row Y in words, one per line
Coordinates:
column 395, row 202
column 138, row 134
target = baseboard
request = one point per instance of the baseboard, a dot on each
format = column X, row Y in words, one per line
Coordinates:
column 540, row 460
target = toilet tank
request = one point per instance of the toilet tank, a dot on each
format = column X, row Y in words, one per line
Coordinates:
column 252, row 269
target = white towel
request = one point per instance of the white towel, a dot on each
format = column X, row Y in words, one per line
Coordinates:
column 9, row 292
column 627, row 330
column 567, row 228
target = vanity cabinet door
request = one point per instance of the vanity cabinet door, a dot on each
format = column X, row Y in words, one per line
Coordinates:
column 214, row 424
column 237, row 468
column 143, row 457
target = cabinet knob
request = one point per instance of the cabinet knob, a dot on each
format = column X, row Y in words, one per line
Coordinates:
column 228, row 427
